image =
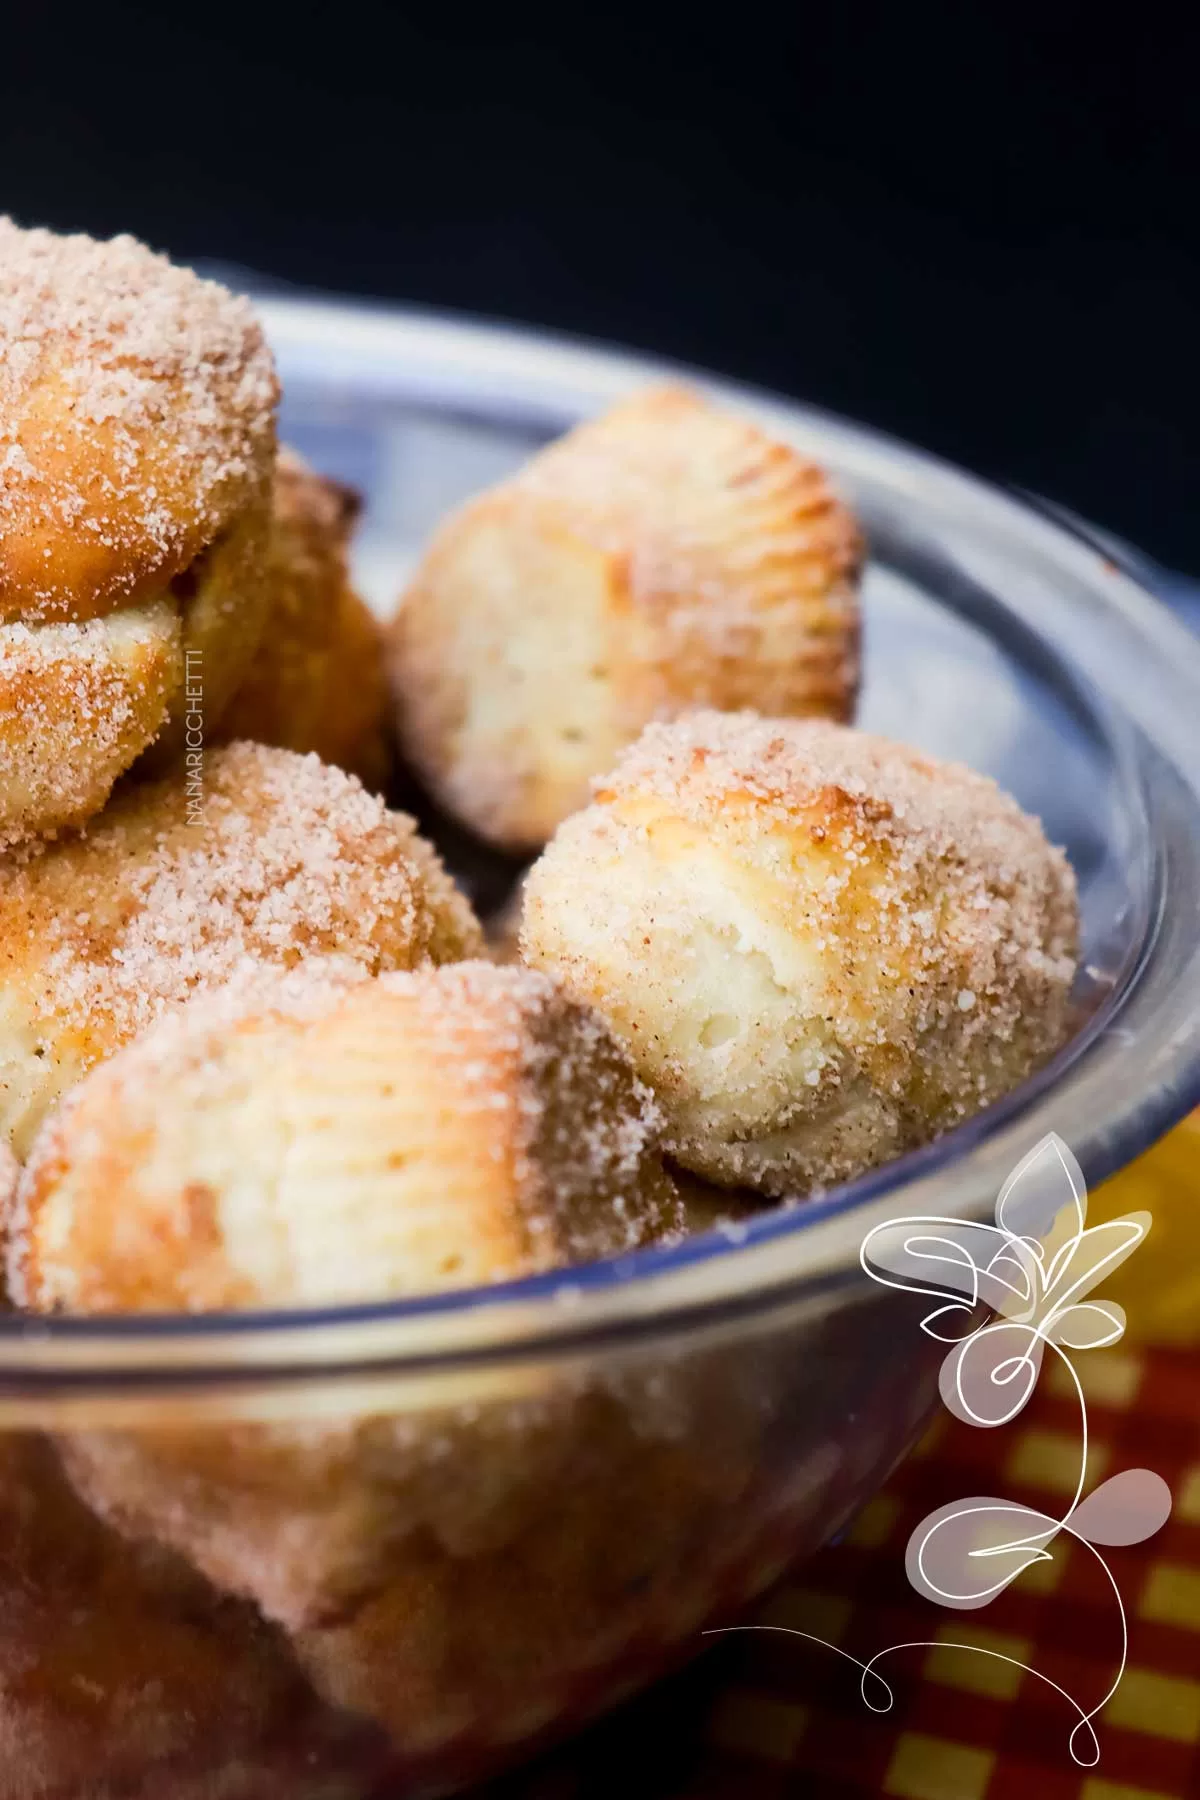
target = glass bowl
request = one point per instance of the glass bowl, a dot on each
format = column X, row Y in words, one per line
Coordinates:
column 388, row 1549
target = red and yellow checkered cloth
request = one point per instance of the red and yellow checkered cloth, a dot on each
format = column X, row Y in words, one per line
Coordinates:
column 769, row 1715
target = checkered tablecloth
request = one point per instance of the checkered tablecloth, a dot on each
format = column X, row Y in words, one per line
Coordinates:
column 766, row 1714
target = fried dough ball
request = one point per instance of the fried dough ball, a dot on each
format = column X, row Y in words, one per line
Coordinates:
column 137, row 421
column 664, row 556
column 340, row 1139
column 137, row 441
column 317, row 681
column 78, row 704
column 258, row 856
column 308, row 1138
column 821, row 948
column 121, row 1672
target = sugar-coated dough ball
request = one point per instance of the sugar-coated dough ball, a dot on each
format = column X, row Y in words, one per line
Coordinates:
column 664, row 556
column 137, row 421
column 309, row 1140
column 821, row 948
column 317, row 680
column 257, row 856
column 137, row 443
column 78, row 704
column 627, row 1540
column 317, row 1137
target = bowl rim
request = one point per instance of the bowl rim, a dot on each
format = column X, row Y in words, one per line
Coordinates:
column 768, row 1260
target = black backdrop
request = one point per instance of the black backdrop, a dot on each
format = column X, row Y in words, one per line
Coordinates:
column 974, row 225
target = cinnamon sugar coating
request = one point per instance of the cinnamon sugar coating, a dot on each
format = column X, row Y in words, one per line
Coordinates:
column 137, row 441
column 664, row 556
column 78, row 704
column 318, row 1138
column 137, row 421
column 821, row 948
column 317, row 680
column 278, row 859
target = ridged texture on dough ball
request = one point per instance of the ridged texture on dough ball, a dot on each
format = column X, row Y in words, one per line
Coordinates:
column 667, row 555
column 311, row 1139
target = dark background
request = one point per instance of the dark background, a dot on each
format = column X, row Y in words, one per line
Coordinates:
column 976, row 226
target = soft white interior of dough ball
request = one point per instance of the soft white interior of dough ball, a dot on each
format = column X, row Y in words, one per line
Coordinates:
column 722, row 989
column 33, row 1075
column 723, row 999
column 532, row 646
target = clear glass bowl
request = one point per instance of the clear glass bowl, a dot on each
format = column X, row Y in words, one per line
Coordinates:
column 389, row 1549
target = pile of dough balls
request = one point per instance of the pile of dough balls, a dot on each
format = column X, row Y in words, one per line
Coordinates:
column 195, row 732
column 636, row 659
column 257, row 1052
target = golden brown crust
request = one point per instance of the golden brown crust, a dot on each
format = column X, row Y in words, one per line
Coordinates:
column 137, row 421
column 822, row 948
column 78, row 704
column 313, row 1139
column 317, row 682
column 273, row 858
column 664, row 556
